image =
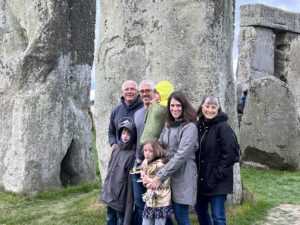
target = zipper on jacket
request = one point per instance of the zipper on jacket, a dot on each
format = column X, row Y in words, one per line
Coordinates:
column 200, row 143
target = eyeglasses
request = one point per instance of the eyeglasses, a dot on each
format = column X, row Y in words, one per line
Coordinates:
column 145, row 91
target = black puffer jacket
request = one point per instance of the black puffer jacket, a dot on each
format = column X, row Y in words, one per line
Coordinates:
column 215, row 156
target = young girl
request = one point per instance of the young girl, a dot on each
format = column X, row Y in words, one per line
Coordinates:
column 158, row 202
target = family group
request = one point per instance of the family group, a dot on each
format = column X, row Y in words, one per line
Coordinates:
column 167, row 157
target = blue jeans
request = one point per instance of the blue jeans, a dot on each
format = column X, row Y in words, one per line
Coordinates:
column 217, row 208
column 138, row 191
column 114, row 217
column 181, row 214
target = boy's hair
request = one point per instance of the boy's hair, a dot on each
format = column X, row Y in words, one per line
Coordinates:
column 126, row 129
column 158, row 150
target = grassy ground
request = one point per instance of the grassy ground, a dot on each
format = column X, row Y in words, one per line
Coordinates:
column 79, row 205
column 72, row 205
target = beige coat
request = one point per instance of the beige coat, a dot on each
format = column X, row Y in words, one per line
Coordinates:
column 162, row 196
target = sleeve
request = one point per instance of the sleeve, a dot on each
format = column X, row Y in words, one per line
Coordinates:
column 154, row 121
column 161, row 136
column 112, row 130
column 187, row 146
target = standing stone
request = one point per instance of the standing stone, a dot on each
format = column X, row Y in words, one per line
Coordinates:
column 256, row 56
column 270, row 124
column 287, row 65
column 186, row 42
column 269, row 133
column 46, row 54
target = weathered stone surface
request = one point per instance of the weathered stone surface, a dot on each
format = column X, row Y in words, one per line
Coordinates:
column 270, row 130
column 268, row 65
column 46, row 54
column 256, row 56
column 186, row 42
column 287, row 66
column 266, row 16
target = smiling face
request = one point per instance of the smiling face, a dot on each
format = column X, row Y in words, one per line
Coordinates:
column 148, row 152
column 146, row 93
column 175, row 109
column 210, row 109
column 129, row 92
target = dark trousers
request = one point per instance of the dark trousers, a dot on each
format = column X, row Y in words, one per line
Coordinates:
column 114, row 217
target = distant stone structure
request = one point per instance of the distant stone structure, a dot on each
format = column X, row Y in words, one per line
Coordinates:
column 269, row 53
column 46, row 55
column 187, row 42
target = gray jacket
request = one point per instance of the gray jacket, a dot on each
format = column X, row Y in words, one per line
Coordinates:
column 181, row 142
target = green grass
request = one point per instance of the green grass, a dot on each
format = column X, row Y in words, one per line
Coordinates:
column 71, row 205
column 269, row 188
column 79, row 204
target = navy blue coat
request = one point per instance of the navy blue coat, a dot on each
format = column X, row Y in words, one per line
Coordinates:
column 118, row 113
column 215, row 156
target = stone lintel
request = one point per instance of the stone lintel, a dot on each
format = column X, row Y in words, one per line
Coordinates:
column 266, row 16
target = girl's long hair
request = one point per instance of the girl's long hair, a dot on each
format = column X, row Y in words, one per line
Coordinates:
column 158, row 150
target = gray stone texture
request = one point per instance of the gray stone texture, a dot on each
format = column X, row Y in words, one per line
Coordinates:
column 186, row 42
column 46, row 54
column 287, row 66
column 270, row 127
column 266, row 16
column 256, row 56
column 269, row 66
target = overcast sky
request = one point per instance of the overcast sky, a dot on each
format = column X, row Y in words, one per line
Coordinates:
column 290, row 5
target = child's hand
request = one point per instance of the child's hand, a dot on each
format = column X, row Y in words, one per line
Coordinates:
column 113, row 147
column 145, row 178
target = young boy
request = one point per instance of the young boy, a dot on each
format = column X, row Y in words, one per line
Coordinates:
column 117, row 187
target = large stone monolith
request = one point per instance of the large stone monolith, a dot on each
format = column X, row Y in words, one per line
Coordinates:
column 269, row 67
column 186, row 42
column 270, row 129
column 46, row 54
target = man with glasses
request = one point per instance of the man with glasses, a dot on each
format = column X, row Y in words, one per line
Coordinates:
column 130, row 103
column 146, row 88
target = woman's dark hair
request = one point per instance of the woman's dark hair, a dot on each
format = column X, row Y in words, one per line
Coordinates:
column 188, row 112
column 213, row 100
